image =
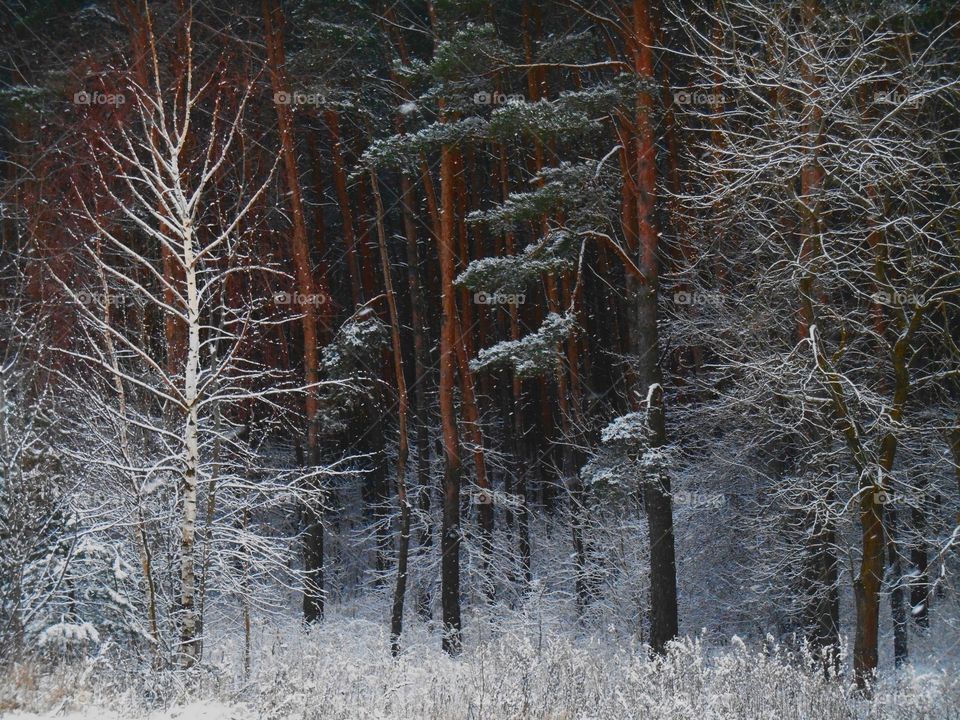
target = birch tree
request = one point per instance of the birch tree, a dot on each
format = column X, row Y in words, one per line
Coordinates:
column 187, row 431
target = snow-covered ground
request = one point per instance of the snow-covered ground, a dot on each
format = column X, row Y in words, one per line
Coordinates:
column 343, row 670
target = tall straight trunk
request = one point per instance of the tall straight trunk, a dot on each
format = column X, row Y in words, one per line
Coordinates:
column 646, row 346
column 874, row 543
column 436, row 224
column 471, row 416
column 368, row 265
column 420, row 354
column 400, row 591
column 450, row 538
column 343, row 199
column 516, row 390
column 821, row 619
column 312, row 516
column 898, row 609
column 895, row 572
column 471, row 409
column 418, row 324
column 320, row 242
column 867, row 589
column 189, row 638
column 537, row 90
column 868, row 582
column 420, row 379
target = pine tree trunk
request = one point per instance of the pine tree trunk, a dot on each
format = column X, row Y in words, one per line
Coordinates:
column 471, row 410
column 400, row 590
column 516, row 406
column 420, row 379
column 417, row 320
column 343, row 199
column 450, row 539
column 306, row 293
column 646, row 346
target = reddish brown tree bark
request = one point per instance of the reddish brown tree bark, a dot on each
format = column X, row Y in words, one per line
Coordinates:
column 450, row 538
column 648, row 394
column 306, row 294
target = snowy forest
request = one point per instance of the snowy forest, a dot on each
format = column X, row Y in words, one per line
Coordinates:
column 480, row 359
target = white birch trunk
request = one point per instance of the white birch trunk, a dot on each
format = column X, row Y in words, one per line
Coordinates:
column 188, row 523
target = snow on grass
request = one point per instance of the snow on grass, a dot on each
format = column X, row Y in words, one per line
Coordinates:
column 190, row 711
column 342, row 669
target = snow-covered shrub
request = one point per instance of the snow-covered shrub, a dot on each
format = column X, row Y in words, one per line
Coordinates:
column 343, row 670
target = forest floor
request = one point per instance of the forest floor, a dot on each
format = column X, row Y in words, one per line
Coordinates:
column 342, row 670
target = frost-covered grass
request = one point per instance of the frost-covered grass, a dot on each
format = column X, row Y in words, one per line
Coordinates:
column 343, row 670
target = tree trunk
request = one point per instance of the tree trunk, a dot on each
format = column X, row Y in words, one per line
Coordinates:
column 343, row 199
column 189, row 639
column 417, row 320
column 519, row 489
column 471, row 410
column 312, row 516
column 420, row 380
column 646, row 346
column 897, row 609
column 867, row 588
column 450, row 539
column 823, row 609
column 400, row 591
